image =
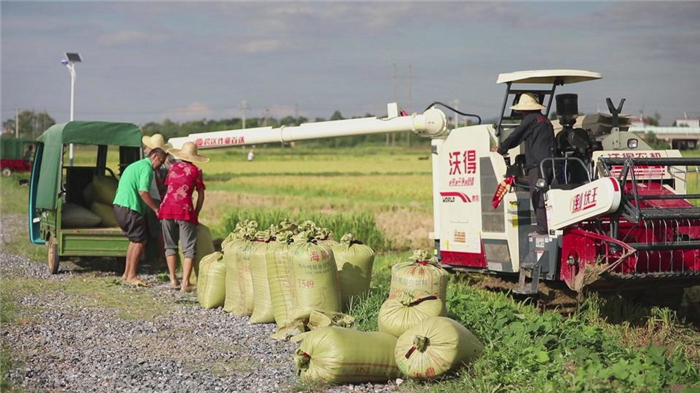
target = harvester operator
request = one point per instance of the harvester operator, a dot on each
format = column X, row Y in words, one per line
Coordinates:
column 538, row 134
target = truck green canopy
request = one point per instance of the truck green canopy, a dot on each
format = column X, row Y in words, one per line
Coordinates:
column 80, row 133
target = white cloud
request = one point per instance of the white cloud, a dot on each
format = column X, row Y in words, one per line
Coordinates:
column 195, row 110
column 131, row 37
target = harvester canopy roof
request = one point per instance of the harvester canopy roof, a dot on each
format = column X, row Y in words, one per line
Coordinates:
column 81, row 133
column 548, row 76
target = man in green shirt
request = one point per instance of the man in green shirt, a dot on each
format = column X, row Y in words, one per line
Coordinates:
column 130, row 206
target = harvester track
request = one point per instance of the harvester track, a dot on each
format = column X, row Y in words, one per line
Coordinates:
column 550, row 296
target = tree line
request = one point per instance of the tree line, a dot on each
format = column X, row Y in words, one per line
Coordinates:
column 31, row 124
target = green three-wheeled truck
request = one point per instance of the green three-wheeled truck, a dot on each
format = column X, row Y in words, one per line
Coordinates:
column 65, row 212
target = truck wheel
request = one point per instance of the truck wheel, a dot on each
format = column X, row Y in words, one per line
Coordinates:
column 6, row 171
column 53, row 256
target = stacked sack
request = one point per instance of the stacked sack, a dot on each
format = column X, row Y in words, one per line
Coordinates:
column 414, row 339
column 262, row 303
column 280, row 275
column 237, row 250
column 340, row 355
column 315, row 273
column 99, row 195
column 421, row 273
column 354, row 261
column 229, row 247
column 301, row 280
column 211, row 288
column 204, row 247
column 435, row 347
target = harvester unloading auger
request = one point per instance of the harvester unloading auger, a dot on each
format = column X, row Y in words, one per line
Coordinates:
column 618, row 211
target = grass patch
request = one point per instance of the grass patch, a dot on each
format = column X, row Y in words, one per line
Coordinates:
column 13, row 205
column 8, row 306
column 85, row 291
column 530, row 351
column 13, row 198
column 5, row 366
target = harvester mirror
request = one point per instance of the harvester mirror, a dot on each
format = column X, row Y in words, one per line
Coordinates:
column 541, row 184
column 632, row 143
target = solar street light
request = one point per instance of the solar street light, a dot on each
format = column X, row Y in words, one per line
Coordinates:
column 69, row 62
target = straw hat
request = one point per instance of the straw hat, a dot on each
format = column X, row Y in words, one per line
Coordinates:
column 188, row 153
column 527, row 102
column 155, row 141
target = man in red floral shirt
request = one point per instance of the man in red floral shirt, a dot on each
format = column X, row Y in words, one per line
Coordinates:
column 178, row 214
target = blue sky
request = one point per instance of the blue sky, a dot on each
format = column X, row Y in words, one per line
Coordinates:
column 147, row 61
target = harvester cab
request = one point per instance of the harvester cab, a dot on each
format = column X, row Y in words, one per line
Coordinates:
column 617, row 210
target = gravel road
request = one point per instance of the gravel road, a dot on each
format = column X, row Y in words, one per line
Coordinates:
column 64, row 346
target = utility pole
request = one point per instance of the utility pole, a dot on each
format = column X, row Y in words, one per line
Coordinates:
column 266, row 116
column 410, row 98
column 16, row 122
column 456, row 101
column 244, row 108
column 393, row 79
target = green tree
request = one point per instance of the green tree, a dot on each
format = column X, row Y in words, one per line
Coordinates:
column 653, row 120
column 337, row 116
column 31, row 124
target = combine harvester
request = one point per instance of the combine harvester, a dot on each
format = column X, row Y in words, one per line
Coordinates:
column 619, row 215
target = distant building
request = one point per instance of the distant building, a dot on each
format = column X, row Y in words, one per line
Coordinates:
column 687, row 123
column 639, row 122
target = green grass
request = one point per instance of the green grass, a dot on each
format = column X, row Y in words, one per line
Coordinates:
column 5, row 365
column 85, row 291
column 13, row 198
column 13, row 202
column 529, row 351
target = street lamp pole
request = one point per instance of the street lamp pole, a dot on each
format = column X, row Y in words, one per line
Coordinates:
column 69, row 62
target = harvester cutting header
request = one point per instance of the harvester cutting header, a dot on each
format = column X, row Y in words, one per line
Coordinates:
column 617, row 211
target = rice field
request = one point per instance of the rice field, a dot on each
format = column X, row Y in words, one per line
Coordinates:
column 393, row 185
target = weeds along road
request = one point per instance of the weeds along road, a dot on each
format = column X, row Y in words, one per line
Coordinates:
column 81, row 331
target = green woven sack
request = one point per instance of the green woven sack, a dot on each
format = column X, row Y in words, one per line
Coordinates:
column 434, row 347
column 354, row 261
column 422, row 274
column 405, row 311
column 245, row 278
column 262, row 305
column 104, row 188
column 211, row 289
column 205, row 246
column 88, row 195
column 76, row 216
column 106, row 212
column 340, row 355
column 233, row 290
column 316, row 276
column 280, row 277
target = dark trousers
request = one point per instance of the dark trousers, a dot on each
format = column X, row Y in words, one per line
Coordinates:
column 537, row 198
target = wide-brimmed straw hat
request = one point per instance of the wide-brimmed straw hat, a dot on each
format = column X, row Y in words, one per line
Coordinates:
column 188, row 153
column 527, row 102
column 155, row 142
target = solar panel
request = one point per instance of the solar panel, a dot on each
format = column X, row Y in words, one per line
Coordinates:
column 74, row 57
